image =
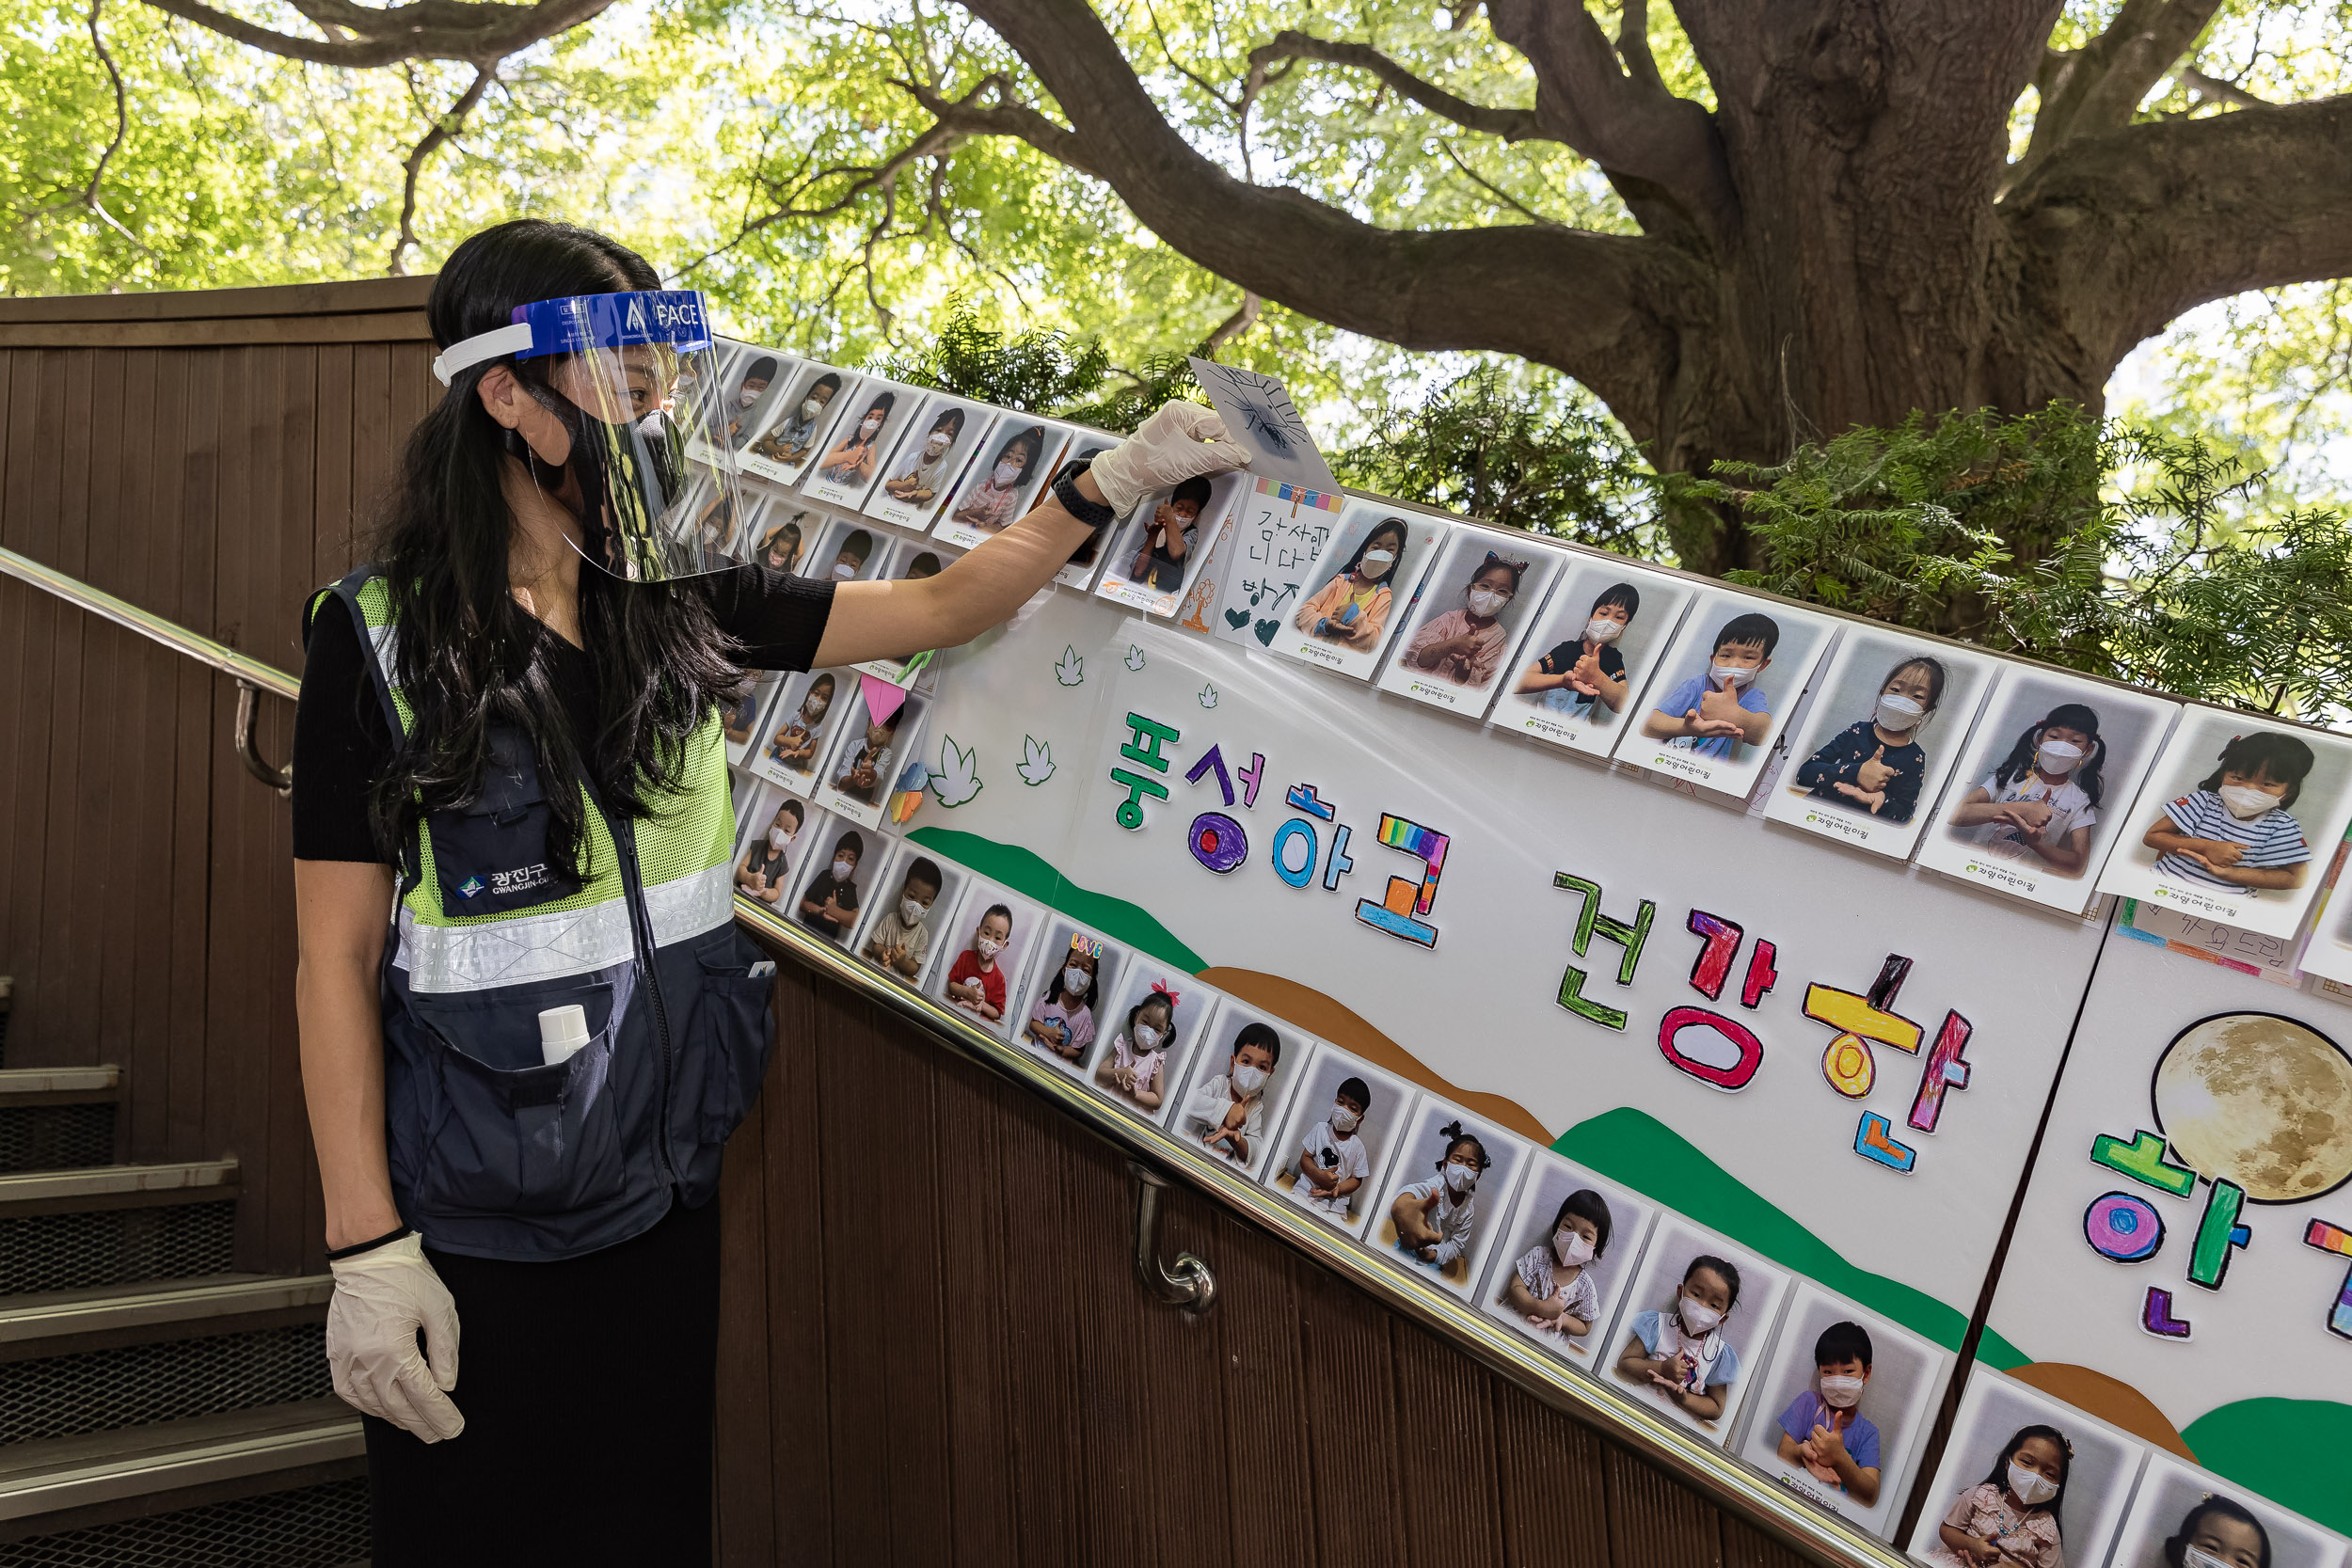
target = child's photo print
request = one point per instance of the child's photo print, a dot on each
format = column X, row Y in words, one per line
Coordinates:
column 1005, row 482
column 1157, row 1017
column 839, row 867
column 784, row 450
column 1700, row 1312
column 1567, row 1258
column 1578, row 681
column 1064, row 1019
column 2025, row 1481
column 2237, row 823
column 1344, row 1124
column 851, row 464
column 1843, row 1406
column 1887, row 728
column 771, row 833
column 914, row 895
column 882, row 728
column 929, row 457
column 755, row 396
column 1360, row 586
column 2048, row 785
column 1158, row 549
column 1078, row 570
column 738, row 716
column 1724, row 691
column 1448, row 1194
column 778, row 537
column 1476, row 609
column 2184, row 1517
column 978, row 968
column 917, row 559
column 850, row 551
column 1240, row 1080
column 802, row 718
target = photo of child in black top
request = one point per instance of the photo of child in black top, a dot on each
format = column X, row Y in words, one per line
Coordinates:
column 1877, row 765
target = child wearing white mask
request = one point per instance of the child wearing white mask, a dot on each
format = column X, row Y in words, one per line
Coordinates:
column 1353, row 605
column 1063, row 1022
column 795, row 744
column 1552, row 1288
column 2236, row 830
column 976, row 982
column 768, row 860
column 1465, row 645
column 1227, row 1113
column 2218, row 1532
column 900, row 938
column 994, row 502
column 1879, row 764
column 1434, row 1218
column 829, row 903
column 748, row 392
column 791, row 442
column 2042, row 800
column 1584, row 677
column 1822, row 1429
column 868, row 763
column 1681, row 1354
column 850, row 462
column 1138, row 1054
column 923, row 474
column 1332, row 1165
column 2011, row 1518
column 1715, row 712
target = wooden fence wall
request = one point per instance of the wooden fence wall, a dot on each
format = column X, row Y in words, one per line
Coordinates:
column 933, row 1350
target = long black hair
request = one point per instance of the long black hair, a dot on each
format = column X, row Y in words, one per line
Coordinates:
column 1385, row 525
column 2066, row 715
column 468, row 656
column 1999, row 1475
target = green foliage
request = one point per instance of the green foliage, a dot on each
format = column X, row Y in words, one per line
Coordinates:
column 2122, row 551
column 1038, row 371
column 1479, row 446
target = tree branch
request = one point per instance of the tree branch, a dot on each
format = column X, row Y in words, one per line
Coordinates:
column 412, row 167
column 1242, row 320
column 1510, row 124
column 476, row 31
column 1621, row 303
column 2099, row 86
column 2126, row 230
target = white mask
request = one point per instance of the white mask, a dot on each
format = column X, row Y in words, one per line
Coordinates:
column 987, row 947
column 911, row 912
column 868, row 428
column 2057, row 756
column 1075, row 980
column 810, row 409
column 937, row 444
column 1373, row 563
column 1487, row 602
column 1841, row 1393
column 745, row 397
column 1460, row 1179
column 1697, row 1317
column 841, row 870
column 1572, row 1250
column 1007, row 475
column 777, row 839
column 2196, row 1556
column 1147, row 1037
column 1899, row 713
column 2245, row 801
column 1248, row 1080
column 1603, row 628
column 1738, row 676
column 843, row 571
column 814, row 707
column 1343, row 1119
column 2030, row 1486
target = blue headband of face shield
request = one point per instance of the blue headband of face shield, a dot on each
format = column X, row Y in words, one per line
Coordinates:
column 675, row 317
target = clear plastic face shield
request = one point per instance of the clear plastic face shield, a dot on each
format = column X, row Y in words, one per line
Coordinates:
column 633, row 378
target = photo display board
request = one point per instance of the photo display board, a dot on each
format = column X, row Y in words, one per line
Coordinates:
column 1680, row 977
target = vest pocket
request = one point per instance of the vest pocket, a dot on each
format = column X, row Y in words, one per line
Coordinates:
column 490, row 855
column 732, row 1036
column 524, row 1139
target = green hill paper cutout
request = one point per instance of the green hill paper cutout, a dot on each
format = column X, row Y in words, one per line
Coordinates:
column 2293, row 1451
column 1033, row 877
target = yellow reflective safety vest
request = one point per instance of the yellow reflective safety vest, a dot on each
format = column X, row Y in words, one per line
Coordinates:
column 493, row 1153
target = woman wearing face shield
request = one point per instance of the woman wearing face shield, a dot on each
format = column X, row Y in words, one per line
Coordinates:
column 528, row 1023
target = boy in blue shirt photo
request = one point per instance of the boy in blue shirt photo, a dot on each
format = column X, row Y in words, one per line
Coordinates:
column 1712, row 714
column 1823, row 1429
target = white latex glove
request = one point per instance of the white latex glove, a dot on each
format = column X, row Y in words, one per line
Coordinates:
column 1179, row 441
column 381, row 1299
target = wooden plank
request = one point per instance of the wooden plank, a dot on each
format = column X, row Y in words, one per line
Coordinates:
column 331, row 510
column 387, row 326
column 284, row 299
column 852, row 1105
column 1448, row 1503
column 1347, row 1370
column 18, row 849
column 59, row 1010
column 1653, row 1521
column 196, row 513
column 1746, row 1547
column 1552, row 1482
column 290, row 1172
column 745, row 1479
column 147, row 1057
column 798, row 1252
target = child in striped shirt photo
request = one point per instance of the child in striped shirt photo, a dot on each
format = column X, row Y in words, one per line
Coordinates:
column 2236, row 830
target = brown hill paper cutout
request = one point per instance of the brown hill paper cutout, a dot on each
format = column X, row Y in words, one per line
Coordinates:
column 2116, row 1403
column 1316, row 1013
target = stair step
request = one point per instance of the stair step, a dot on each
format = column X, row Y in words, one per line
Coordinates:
column 35, row 1323
column 79, row 1472
column 115, row 1186
column 138, row 1384
column 301, row 1526
column 83, row 1248
column 19, row 1085
column 55, row 1132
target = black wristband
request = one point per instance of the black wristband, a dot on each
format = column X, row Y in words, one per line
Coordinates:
column 1093, row 514
column 336, row 1255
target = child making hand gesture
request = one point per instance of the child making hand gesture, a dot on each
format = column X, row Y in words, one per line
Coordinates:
column 1434, row 1218
column 974, row 983
column 2011, row 1518
column 1822, row 1429
column 2042, row 800
column 1227, row 1112
column 1715, row 713
column 2236, row 829
column 1138, row 1052
column 1585, row 676
column 1464, row 645
column 1063, row 1022
column 1681, row 1352
column 1552, row 1286
column 1879, row 764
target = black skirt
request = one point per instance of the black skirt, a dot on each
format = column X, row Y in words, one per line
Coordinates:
column 587, row 1389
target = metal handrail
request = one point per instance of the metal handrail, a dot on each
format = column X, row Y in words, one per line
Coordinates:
column 1154, row 1154
column 251, row 676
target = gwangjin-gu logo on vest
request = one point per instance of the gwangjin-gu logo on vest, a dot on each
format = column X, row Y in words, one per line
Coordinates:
column 506, row 884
